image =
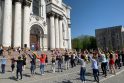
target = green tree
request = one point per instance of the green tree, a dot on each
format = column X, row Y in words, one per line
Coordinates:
column 84, row 42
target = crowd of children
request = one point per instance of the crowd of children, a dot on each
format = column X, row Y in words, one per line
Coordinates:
column 108, row 60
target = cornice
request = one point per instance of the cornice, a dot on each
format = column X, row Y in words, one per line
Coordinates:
column 27, row 2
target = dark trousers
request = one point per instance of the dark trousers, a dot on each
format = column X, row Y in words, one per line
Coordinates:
column 12, row 66
column 95, row 74
column 3, row 68
column 73, row 63
column 60, row 66
column 123, row 61
column 33, row 67
column 104, row 68
column 17, row 72
column 117, row 63
column 82, row 73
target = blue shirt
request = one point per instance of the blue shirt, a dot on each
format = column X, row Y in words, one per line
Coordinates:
column 3, row 61
column 82, row 62
column 94, row 64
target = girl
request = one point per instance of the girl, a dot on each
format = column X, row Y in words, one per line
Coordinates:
column 111, row 64
column 53, row 63
column 82, row 61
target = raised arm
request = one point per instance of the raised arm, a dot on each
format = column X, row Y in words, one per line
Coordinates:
column 99, row 51
column 36, row 55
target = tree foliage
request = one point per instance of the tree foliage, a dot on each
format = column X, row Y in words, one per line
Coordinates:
column 84, row 42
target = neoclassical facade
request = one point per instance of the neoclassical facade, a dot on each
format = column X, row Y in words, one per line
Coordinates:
column 43, row 24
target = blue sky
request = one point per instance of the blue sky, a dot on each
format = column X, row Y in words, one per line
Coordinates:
column 88, row 15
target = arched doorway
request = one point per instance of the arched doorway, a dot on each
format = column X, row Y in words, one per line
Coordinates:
column 36, row 37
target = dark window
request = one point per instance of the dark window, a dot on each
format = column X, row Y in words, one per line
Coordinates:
column 36, row 7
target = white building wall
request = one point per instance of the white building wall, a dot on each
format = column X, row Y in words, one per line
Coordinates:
column 42, row 20
column 0, row 21
column 48, row 29
column 57, row 2
column 0, row 13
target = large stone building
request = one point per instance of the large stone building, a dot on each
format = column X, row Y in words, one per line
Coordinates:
column 44, row 24
column 110, row 38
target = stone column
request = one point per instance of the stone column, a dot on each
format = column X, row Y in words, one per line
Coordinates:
column 26, row 29
column 52, row 32
column 60, row 33
column 69, row 32
column 56, row 32
column 17, row 24
column 0, row 12
column 41, row 43
column 7, row 23
column 0, row 21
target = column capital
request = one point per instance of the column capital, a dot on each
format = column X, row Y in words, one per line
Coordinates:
column 61, row 17
column 51, row 14
column 57, row 15
column 27, row 2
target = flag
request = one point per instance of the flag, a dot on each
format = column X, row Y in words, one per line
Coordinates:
column 34, row 54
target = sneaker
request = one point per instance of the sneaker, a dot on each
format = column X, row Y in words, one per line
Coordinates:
column 42, row 74
column 17, row 79
column 20, row 79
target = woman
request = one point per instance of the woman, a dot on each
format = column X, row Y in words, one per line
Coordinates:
column 42, row 59
column 111, row 64
column 13, row 64
column 82, row 61
column 53, row 60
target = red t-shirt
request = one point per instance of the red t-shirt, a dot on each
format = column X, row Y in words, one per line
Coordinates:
column 111, row 61
column 42, row 59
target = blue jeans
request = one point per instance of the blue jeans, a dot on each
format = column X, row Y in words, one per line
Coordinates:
column 42, row 68
column 33, row 67
column 3, row 68
column 95, row 74
column 82, row 73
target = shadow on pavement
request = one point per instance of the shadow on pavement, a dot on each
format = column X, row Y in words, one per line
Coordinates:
column 65, row 81
column 87, row 74
column 26, row 75
column 13, row 78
